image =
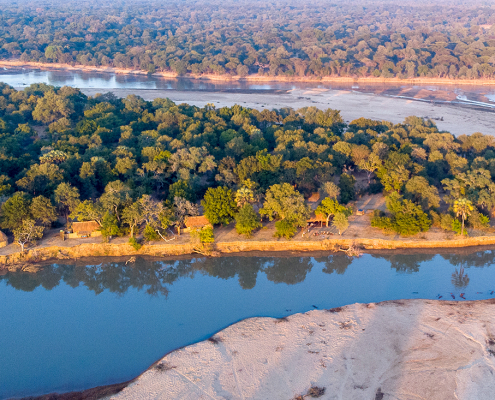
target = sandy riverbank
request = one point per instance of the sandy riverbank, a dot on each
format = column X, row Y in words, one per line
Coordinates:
column 249, row 78
column 457, row 119
column 414, row 349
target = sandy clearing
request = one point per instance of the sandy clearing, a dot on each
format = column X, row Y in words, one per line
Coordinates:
column 456, row 119
column 414, row 349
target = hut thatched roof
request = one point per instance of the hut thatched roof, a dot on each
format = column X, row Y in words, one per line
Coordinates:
column 314, row 197
column 317, row 218
column 85, row 227
column 3, row 237
column 196, row 222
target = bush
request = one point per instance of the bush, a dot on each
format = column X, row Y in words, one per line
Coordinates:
column 382, row 222
column 206, row 235
column 135, row 244
column 375, row 187
column 457, row 226
column 478, row 220
column 286, row 229
column 247, row 220
column 150, row 234
column 446, row 221
column 435, row 218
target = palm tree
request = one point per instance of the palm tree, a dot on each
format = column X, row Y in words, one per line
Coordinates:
column 463, row 208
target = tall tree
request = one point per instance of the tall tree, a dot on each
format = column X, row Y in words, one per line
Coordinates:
column 463, row 208
column 219, row 205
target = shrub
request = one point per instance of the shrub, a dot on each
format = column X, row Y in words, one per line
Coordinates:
column 150, row 234
column 206, row 235
column 285, row 228
column 457, row 226
column 247, row 220
column 446, row 221
column 135, row 244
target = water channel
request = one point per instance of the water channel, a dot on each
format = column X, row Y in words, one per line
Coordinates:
column 81, row 324
column 23, row 77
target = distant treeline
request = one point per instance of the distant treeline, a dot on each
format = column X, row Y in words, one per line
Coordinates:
column 281, row 38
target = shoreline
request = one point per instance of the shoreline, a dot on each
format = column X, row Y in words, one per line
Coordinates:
column 31, row 259
column 248, row 78
column 440, row 348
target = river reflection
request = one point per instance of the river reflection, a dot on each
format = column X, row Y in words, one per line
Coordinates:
column 156, row 276
column 80, row 324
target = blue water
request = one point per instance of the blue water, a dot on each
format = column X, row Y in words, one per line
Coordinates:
column 73, row 327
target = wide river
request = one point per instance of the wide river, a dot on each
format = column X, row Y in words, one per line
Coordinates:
column 21, row 77
column 87, row 323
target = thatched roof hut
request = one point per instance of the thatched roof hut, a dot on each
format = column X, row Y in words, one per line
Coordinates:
column 197, row 222
column 4, row 241
column 85, row 228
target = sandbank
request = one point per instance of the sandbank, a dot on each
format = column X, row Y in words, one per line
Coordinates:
column 413, row 349
column 458, row 119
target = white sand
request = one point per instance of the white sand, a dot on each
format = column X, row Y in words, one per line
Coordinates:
column 457, row 119
column 415, row 349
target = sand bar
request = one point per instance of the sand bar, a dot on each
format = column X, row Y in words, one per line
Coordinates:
column 455, row 118
column 414, row 349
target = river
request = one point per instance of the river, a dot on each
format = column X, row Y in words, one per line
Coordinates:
column 21, row 77
column 81, row 324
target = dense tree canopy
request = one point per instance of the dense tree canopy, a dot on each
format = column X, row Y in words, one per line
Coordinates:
column 148, row 165
column 404, row 39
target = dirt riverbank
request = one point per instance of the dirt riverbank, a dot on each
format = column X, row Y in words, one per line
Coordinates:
column 29, row 261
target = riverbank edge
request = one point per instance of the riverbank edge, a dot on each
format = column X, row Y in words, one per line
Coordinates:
column 249, row 78
column 28, row 261
column 316, row 317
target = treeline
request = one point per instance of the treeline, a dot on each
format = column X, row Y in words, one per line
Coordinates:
column 294, row 39
column 131, row 164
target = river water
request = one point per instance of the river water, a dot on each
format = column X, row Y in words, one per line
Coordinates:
column 82, row 324
column 21, row 77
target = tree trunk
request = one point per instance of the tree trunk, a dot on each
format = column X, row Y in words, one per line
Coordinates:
column 462, row 228
column 328, row 218
column 132, row 231
column 22, row 247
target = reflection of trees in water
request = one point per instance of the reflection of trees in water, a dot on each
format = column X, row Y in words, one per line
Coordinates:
column 335, row 263
column 468, row 259
column 288, row 270
column 406, row 262
column 155, row 277
column 459, row 278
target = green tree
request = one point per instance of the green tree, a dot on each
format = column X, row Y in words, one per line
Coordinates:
column 115, row 197
column 330, row 207
column 43, row 211
column 14, row 211
column 247, row 220
column 109, row 226
column 463, row 208
column 89, row 211
column 132, row 215
column 341, row 222
column 219, row 205
column 67, row 199
column 331, row 190
column 285, row 229
column 346, row 185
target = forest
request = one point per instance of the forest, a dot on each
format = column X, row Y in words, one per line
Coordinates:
column 140, row 168
column 406, row 39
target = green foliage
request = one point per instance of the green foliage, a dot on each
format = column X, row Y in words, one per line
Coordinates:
column 341, row 222
column 247, row 220
column 219, row 205
column 457, row 227
column 150, row 234
column 135, row 244
column 14, row 211
column 406, row 218
column 27, row 232
column 282, row 201
column 285, row 229
column 346, row 185
column 206, row 235
column 109, row 226
column 329, row 207
column 446, row 222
